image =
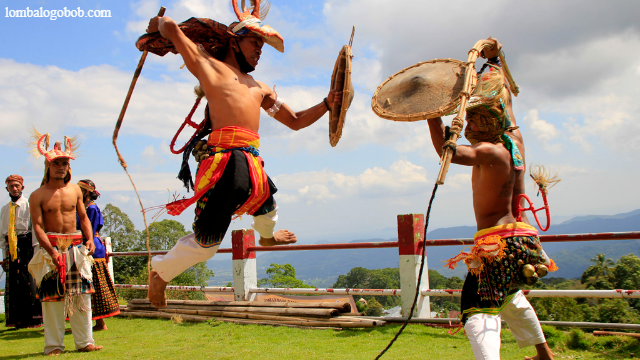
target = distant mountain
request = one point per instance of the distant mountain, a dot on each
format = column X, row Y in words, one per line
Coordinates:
column 322, row 267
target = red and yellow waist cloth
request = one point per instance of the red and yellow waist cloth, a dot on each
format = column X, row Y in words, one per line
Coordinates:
column 222, row 141
column 489, row 244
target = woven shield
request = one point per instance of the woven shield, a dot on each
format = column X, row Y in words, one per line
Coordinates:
column 341, row 81
column 423, row 91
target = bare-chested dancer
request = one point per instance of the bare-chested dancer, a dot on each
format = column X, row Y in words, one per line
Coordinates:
column 233, row 166
column 62, row 267
column 502, row 245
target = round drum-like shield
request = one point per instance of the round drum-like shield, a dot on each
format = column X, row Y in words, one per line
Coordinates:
column 425, row 90
column 341, row 81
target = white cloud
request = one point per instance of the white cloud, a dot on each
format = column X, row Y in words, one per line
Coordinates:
column 402, row 179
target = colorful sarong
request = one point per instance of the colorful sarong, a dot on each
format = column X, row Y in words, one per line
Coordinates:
column 22, row 308
column 223, row 141
column 66, row 280
column 494, row 273
column 104, row 302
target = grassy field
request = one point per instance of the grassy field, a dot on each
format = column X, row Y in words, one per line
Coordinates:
column 134, row 338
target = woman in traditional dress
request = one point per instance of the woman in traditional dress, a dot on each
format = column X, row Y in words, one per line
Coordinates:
column 104, row 302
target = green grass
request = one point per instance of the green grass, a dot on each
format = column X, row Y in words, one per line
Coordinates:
column 134, row 338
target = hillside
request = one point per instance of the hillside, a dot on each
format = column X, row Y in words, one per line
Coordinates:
column 321, row 268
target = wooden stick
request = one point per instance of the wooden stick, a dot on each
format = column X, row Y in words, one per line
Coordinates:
column 613, row 333
column 249, row 309
column 470, row 78
column 341, row 306
column 123, row 163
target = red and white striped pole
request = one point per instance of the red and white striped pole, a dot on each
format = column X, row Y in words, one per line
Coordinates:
column 245, row 274
column 410, row 236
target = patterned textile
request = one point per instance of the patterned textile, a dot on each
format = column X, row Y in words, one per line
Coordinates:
column 494, row 274
column 74, row 280
column 488, row 111
column 17, row 178
column 22, row 308
column 223, row 141
column 208, row 33
column 104, row 302
column 95, row 217
column 215, row 208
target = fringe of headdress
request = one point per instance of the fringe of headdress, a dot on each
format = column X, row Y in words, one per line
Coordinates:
column 543, row 178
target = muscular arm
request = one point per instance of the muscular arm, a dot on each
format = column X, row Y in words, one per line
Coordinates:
column 169, row 29
column 465, row 154
column 35, row 209
column 85, row 224
column 301, row 119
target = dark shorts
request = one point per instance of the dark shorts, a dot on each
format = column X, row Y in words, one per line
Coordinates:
column 214, row 210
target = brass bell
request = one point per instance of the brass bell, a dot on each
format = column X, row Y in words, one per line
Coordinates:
column 532, row 280
column 511, row 257
column 520, row 262
column 194, row 152
column 204, row 157
column 528, row 270
column 542, row 270
column 198, row 158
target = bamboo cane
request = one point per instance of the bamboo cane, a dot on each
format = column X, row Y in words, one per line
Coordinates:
column 123, row 163
column 250, row 309
column 458, row 121
column 341, row 306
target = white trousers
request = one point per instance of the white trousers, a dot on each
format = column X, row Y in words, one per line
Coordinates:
column 186, row 253
column 54, row 323
column 483, row 330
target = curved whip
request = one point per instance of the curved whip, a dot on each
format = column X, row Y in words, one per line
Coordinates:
column 123, row 163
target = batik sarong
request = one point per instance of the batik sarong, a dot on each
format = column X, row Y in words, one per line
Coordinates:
column 494, row 272
column 22, row 307
column 70, row 278
column 104, row 302
column 231, row 181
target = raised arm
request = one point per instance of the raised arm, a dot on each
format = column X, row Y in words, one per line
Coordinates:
column 301, row 119
column 465, row 154
column 170, row 30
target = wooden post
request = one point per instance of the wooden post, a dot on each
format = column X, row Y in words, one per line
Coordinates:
column 245, row 274
column 410, row 238
column 108, row 250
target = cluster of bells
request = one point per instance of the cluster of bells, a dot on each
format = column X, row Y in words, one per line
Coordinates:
column 532, row 273
column 201, row 151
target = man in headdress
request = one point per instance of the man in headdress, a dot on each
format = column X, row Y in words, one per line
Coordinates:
column 231, row 179
column 22, row 308
column 503, row 246
column 62, row 267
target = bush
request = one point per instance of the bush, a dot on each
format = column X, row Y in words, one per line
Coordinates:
column 552, row 335
column 374, row 308
column 578, row 340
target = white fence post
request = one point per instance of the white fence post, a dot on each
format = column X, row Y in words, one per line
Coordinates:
column 108, row 250
column 245, row 274
column 410, row 236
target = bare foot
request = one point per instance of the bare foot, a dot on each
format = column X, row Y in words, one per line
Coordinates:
column 89, row 348
column 544, row 353
column 280, row 237
column 100, row 325
column 156, row 293
column 55, row 352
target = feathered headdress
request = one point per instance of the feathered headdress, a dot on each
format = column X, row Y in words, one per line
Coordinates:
column 251, row 20
column 40, row 144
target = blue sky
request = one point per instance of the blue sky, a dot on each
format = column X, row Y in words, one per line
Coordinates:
column 576, row 63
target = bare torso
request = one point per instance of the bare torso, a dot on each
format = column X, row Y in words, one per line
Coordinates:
column 58, row 207
column 234, row 98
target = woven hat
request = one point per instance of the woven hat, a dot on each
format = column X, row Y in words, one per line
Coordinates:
column 422, row 91
column 341, row 81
